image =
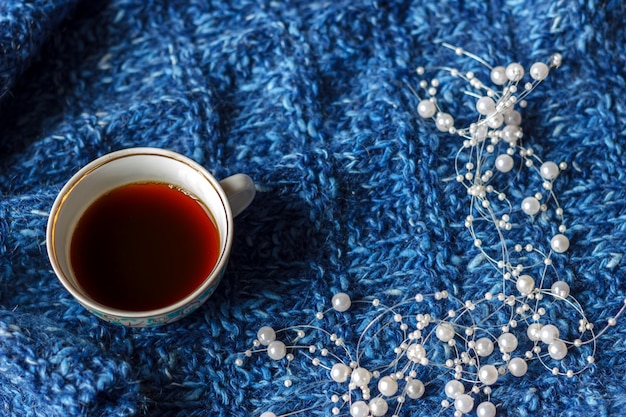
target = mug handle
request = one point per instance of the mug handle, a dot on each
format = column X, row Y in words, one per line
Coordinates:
column 239, row 189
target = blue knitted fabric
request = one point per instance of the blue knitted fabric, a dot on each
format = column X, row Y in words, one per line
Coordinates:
column 356, row 192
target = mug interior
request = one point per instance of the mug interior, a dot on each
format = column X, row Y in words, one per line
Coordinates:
column 122, row 168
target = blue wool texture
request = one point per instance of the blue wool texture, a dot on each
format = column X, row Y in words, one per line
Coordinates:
column 355, row 191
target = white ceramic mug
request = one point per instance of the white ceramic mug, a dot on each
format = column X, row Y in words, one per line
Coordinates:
column 223, row 199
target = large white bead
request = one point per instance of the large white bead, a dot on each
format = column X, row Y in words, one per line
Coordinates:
column 444, row 122
column 510, row 133
column 557, row 349
column 498, row 75
column 534, row 331
column 539, row 71
column 414, row 389
column 485, row 105
column 341, row 302
column 514, row 72
column 361, row 377
column 486, row 409
column 504, row 163
column 266, row 335
column 560, row 289
column 378, row 407
column 415, row 352
column 488, row 374
column 268, row 414
column 525, row 284
column 359, row 409
column 483, row 347
column 517, row 367
column 444, row 332
column 454, row 388
column 513, row 118
column 426, row 109
column 549, row 333
column 340, row 372
column 276, row 350
column 464, row 403
column 549, row 170
column 531, row 206
column 387, row 386
column 507, row 342
column 559, row 243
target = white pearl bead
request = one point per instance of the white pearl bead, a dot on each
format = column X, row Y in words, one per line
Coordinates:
column 560, row 289
column 414, row 389
column 525, row 284
column 268, row 414
column 488, row 374
column 359, row 409
column 361, row 377
column 517, row 367
column 485, row 105
column 444, row 332
column 513, row 118
column 549, row 333
column 415, row 352
column 426, row 109
column 454, row 388
column 266, row 335
column 340, row 372
column 531, row 206
column 486, row 409
column 534, row 331
column 507, row 342
column 341, row 302
column 510, row 133
column 276, row 350
column 464, row 403
column 387, row 386
column 514, row 72
column 498, row 75
column 549, row 170
column 483, row 347
column 539, row 71
column 495, row 120
column 504, row 163
column 378, row 407
column 557, row 349
column 559, row 243
column 444, row 122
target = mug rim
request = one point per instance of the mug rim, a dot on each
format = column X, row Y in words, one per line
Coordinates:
column 211, row 280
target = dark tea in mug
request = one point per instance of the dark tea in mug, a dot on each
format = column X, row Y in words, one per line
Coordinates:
column 144, row 246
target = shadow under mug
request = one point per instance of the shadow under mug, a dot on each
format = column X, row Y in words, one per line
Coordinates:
column 223, row 199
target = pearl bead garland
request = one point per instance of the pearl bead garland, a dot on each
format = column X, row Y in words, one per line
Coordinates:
column 458, row 347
